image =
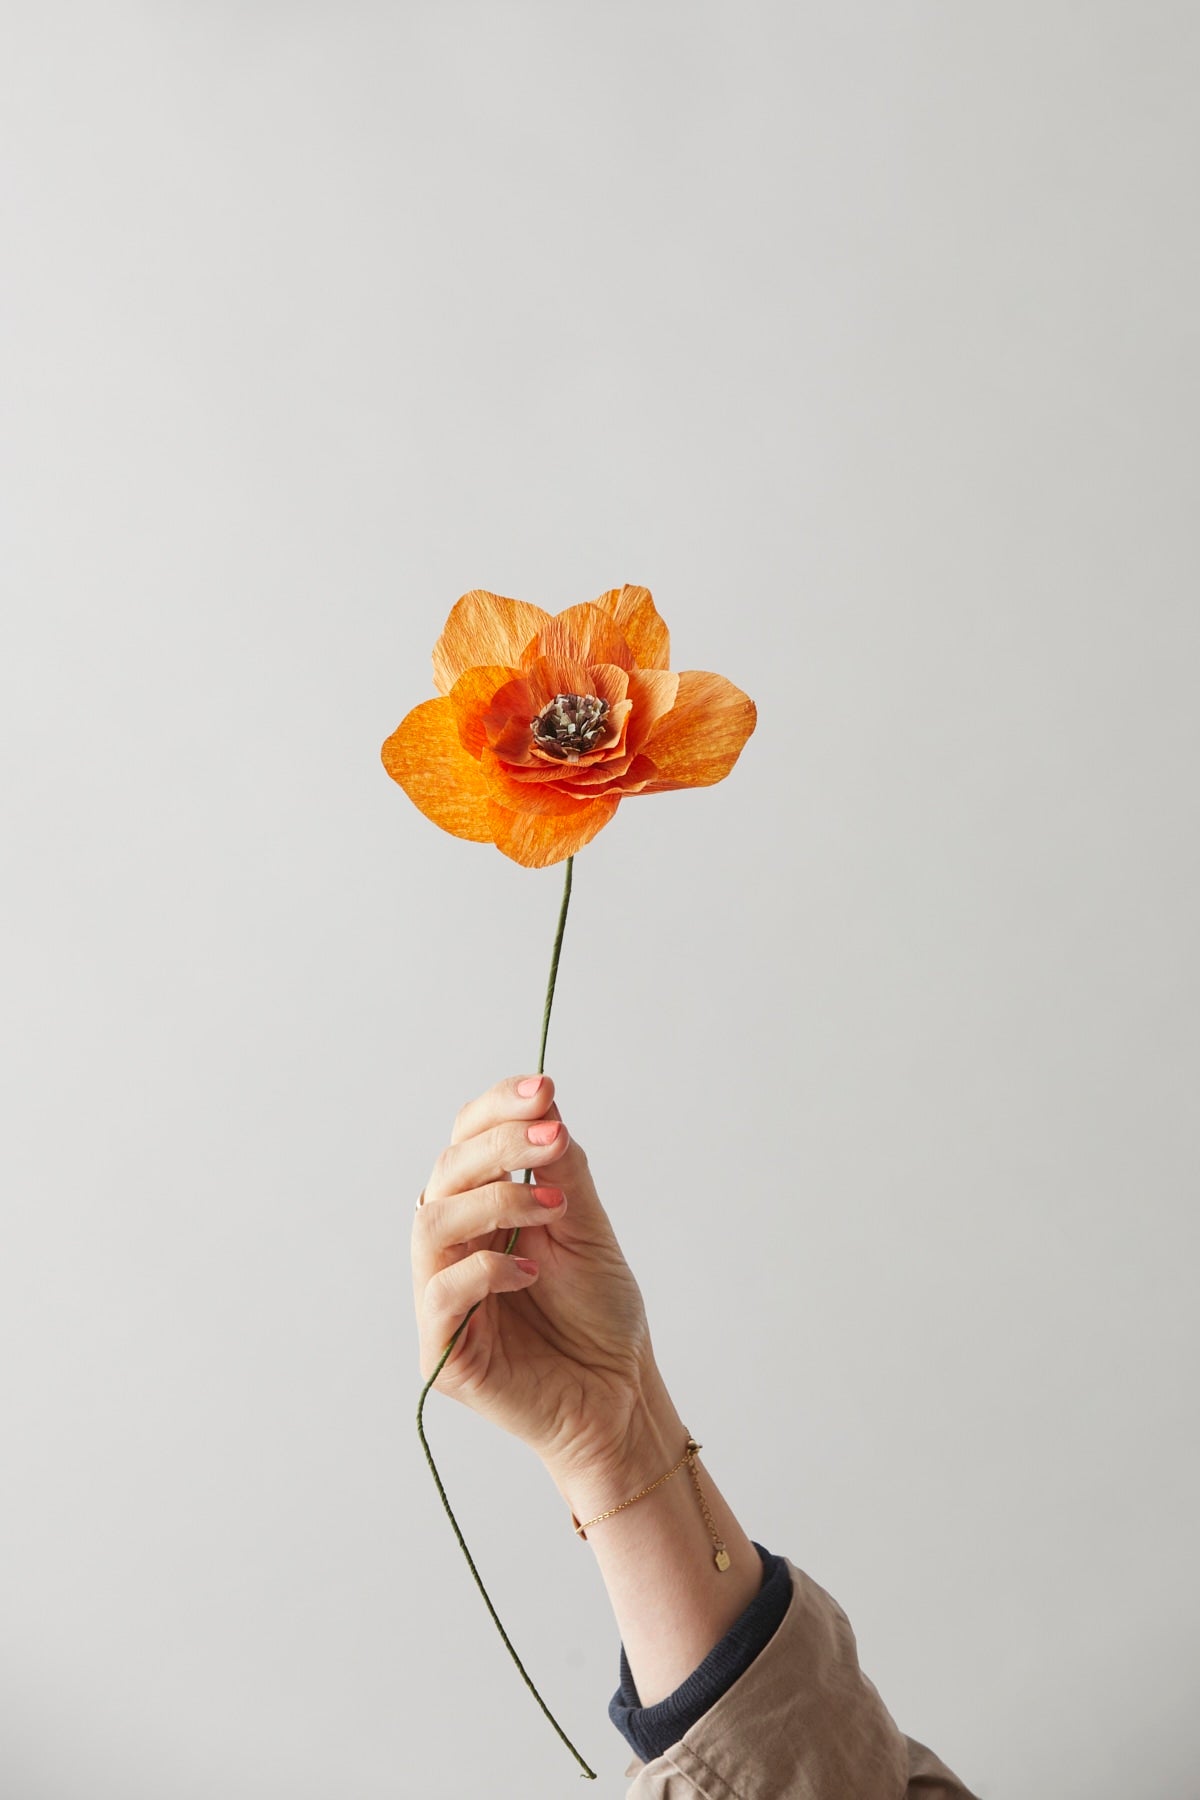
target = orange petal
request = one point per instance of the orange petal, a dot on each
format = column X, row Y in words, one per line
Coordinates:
column 559, row 797
column 484, row 629
column 608, row 681
column 512, row 740
column 473, row 696
column 640, row 625
column 701, row 737
column 537, row 840
column 654, row 693
column 640, row 774
column 559, row 675
column 582, row 634
column 505, row 714
column 425, row 755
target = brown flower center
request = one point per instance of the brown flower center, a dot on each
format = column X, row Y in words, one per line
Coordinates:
column 570, row 726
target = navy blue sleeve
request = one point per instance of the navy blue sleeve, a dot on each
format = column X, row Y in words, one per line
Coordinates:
column 649, row 1730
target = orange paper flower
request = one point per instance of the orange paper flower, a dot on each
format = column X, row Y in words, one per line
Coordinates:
column 548, row 721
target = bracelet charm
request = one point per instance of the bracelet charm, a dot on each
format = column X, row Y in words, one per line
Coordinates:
column 721, row 1556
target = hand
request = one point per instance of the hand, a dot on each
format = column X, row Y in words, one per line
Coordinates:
column 558, row 1351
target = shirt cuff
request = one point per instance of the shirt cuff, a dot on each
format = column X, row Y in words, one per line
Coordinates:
column 649, row 1730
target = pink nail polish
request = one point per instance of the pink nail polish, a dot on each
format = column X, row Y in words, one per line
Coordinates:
column 547, row 1196
column 529, row 1087
column 544, row 1132
column 526, row 1263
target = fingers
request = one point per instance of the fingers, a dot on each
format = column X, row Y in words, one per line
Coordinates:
column 504, row 1101
column 451, row 1295
column 441, row 1225
column 476, row 1161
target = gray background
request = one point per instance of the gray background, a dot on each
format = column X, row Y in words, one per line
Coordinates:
column 864, row 335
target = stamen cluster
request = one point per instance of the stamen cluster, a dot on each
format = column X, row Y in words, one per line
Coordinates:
column 570, row 726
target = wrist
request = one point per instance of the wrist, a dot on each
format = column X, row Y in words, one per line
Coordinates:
column 594, row 1474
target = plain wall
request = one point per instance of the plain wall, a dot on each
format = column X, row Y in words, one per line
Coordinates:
column 865, row 336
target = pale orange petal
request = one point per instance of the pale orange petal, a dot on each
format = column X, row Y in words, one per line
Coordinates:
column 640, row 625
column 701, row 737
column 484, row 629
column 425, row 755
column 582, row 634
column 536, row 841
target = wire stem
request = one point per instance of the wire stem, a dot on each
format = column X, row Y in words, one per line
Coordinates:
column 590, row 1774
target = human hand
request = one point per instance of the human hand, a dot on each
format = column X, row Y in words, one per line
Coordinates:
column 558, row 1351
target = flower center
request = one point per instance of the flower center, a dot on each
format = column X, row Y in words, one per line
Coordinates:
column 570, row 726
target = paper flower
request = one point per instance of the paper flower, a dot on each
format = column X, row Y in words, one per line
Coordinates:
column 547, row 722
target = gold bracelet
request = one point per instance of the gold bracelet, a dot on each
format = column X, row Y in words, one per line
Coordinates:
column 721, row 1555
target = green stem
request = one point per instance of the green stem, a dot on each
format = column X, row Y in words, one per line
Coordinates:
column 590, row 1774
column 546, row 1010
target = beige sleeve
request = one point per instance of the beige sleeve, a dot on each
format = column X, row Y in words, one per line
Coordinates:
column 802, row 1723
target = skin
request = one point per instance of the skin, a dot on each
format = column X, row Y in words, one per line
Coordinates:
column 559, row 1354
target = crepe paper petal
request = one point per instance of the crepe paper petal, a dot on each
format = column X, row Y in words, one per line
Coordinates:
column 512, row 738
column 535, row 688
column 601, row 771
column 425, row 755
column 640, row 624
column 550, row 676
column 507, row 720
column 474, row 695
column 636, row 778
column 702, row 736
column 653, row 692
column 582, row 634
column 552, row 799
column 608, row 681
column 536, row 840
column 484, row 629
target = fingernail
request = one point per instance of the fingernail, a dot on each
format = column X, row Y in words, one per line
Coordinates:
column 544, row 1132
column 526, row 1264
column 529, row 1087
column 548, row 1196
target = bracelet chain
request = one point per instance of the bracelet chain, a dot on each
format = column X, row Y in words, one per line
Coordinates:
column 721, row 1555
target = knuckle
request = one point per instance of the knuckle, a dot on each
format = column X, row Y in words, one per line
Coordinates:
column 504, row 1141
column 499, row 1201
column 450, row 1286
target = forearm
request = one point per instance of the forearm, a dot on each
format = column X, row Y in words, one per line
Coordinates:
column 656, row 1557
